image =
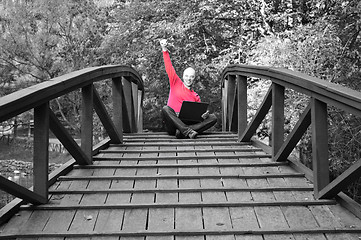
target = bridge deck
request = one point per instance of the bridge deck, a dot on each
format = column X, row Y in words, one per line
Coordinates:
column 157, row 187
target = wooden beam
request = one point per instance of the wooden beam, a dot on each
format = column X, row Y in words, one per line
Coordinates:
column 135, row 105
column 180, row 190
column 278, row 117
column 140, row 112
column 128, row 106
column 181, row 157
column 231, row 100
column 117, row 97
column 21, row 192
column 87, row 121
column 242, row 104
column 214, row 150
column 224, row 105
column 41, row 153
column 184, row 143
column 341, row 182
column 244, row 176
column 294, row 137
column 184, row 205
column 68, row 142
column 258, row 118
column 105, row 118
column 186, row 233
column 28, row 98
column 184, row 165
column 319, row 145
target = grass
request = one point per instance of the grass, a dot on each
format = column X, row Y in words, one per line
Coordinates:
column 21, row 150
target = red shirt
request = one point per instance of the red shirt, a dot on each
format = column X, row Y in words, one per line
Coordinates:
column 178, row 92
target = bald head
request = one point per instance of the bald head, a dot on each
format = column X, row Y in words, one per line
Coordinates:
column 189, row 75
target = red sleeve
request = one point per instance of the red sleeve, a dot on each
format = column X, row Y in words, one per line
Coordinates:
column 169, row 68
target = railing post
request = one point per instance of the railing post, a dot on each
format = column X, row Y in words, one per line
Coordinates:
column 242, row 104
column 129, row 115
column 87, row 121
column 41, row 153
column 117, row 95
column 135, row 105
column 231, row 106
column 140, row 112
column 319, row 145
column 224, row 105
column 278, row 117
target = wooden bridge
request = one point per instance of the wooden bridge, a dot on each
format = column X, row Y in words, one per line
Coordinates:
column 222, row 185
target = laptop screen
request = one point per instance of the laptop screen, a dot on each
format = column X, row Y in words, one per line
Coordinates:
column 191, row 112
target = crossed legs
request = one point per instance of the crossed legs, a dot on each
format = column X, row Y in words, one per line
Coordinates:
column 172, row 123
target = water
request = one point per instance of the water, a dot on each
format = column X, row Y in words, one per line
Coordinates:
column 22, row 179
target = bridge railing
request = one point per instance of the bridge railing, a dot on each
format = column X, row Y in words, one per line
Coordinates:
column 127, row 97
column 322, row 94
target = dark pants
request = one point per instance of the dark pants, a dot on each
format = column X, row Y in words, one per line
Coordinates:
column 172, row 122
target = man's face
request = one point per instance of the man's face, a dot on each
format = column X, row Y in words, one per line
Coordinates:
column 188, row 77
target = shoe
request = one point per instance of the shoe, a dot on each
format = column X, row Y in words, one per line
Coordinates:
column 178, row 134
column 192, row 134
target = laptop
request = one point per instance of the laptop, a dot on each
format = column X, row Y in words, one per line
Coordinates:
column 191, row 112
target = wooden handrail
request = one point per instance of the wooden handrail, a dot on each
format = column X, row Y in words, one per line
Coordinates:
column 127, row 93
column 322, row 95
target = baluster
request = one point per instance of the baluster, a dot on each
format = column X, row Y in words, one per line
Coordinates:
column 117, row 95
column 278, row 117
column 87, row 121
column 242, row 104
column 319, row 145
column 41, row 152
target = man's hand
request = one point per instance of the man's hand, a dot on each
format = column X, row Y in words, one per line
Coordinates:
column 205, row 115
column 163, row 44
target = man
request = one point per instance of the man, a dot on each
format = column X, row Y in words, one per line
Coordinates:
column 182, row 91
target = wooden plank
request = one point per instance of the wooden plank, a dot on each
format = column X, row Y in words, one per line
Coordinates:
column 319, row 145
column 163, row 219
column 185, row 157
column 325, row 218
column 16, row 222
column 234, row 196
column 141, row 234
column 59, row 221
column 188, row 218
column 162, row 197
column 138, row 219
column 159, row 191
column 278, row 117
column 209, row 149
column 258, row 118
column 165, row 164
column 273, row 218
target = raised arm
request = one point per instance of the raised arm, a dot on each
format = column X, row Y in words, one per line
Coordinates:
column 167, row 62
